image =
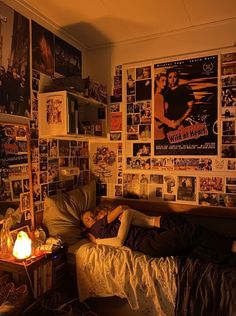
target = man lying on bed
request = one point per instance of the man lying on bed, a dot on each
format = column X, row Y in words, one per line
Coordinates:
column 162, row 236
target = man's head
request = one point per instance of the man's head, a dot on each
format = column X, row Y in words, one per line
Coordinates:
column 173, row 77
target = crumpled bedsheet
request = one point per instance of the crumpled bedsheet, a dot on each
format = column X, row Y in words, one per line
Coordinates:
column 205, row 288
column 149, row 284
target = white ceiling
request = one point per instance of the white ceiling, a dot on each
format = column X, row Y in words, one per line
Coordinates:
column 103, row 22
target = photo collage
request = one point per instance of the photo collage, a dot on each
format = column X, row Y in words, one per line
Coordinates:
column 159, row 137
column 172, row 126
column 15, row 169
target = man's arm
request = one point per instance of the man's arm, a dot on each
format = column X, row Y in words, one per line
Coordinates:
column 119, row 240
column 159, row 111
column 130, row 217
column 115, row 213
column 190, row 100
column 186, row 114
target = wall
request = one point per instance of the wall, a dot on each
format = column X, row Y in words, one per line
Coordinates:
column 209, row 37
column 34, row 15
column 48, row 156
column 207, row 40
column 108, row 159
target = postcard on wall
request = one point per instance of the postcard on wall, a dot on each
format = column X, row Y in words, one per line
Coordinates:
column 208, row 184
column 185, row 107
column 155, row 192
column 115, row 107
column 131, row 187
column 116, row 121
column 115, row 136
column 186, row 188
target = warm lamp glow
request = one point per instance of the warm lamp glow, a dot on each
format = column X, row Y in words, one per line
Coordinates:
column 22, row 247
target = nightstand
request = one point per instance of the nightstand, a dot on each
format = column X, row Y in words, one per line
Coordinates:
column 41, row 274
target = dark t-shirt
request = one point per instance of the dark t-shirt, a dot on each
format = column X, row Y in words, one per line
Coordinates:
column 101, row 229
column 177, row 101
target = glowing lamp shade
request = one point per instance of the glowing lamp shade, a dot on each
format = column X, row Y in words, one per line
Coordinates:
column 22, row 247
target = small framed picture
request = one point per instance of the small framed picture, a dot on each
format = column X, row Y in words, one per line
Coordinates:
column 16, row 231
column 27, row 215
column 25, row 202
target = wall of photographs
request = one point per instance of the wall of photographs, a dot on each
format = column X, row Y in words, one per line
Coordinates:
column 158, row 149
column 50, row 156
column 51, row 57
column 176, row 126
column 15, row 170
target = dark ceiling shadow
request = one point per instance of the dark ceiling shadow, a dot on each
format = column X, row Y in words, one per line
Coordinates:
column 93, row 39
column 87, row 34
column 120, row 30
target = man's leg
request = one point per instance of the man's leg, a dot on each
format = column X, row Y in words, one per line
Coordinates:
column 140, row 219
column 188, row 238
column 171, row 242
column 168, row 221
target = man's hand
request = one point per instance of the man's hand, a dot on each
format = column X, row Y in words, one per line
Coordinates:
column 91, row 238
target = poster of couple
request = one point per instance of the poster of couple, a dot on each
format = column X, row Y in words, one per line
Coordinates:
column 185, row 107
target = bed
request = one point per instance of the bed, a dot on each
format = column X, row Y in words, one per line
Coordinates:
column 147, row 283
column 150, row 286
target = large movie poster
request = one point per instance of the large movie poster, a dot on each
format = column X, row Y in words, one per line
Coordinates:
column 185, row 107
column 14, row 63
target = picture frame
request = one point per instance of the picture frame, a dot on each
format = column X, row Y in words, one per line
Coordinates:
column 25, row 202
column 15, row 232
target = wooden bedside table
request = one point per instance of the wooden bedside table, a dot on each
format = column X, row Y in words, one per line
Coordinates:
column 41, row 274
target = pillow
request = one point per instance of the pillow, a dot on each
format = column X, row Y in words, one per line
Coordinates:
column 62, row 212
column 84, row 197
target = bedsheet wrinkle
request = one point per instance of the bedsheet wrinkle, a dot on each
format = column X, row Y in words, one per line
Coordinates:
column 205, row 289
column 149, row 284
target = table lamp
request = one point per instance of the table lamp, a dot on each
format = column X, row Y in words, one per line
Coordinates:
column 22, row 246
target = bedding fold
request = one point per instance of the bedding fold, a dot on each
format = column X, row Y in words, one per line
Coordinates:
column 149, row 284
column 205, row 288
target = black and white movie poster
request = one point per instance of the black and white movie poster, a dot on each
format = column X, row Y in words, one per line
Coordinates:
column 185, row 107
column 42, row 49
column 14, row 62
column 67, row 59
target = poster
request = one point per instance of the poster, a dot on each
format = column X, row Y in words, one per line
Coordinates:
column 68, row 60
column 14, row 63
column 104, row 162
column 185, row 107
column 42, row 49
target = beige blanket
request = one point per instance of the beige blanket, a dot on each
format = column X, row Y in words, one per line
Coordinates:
column 148, row 284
